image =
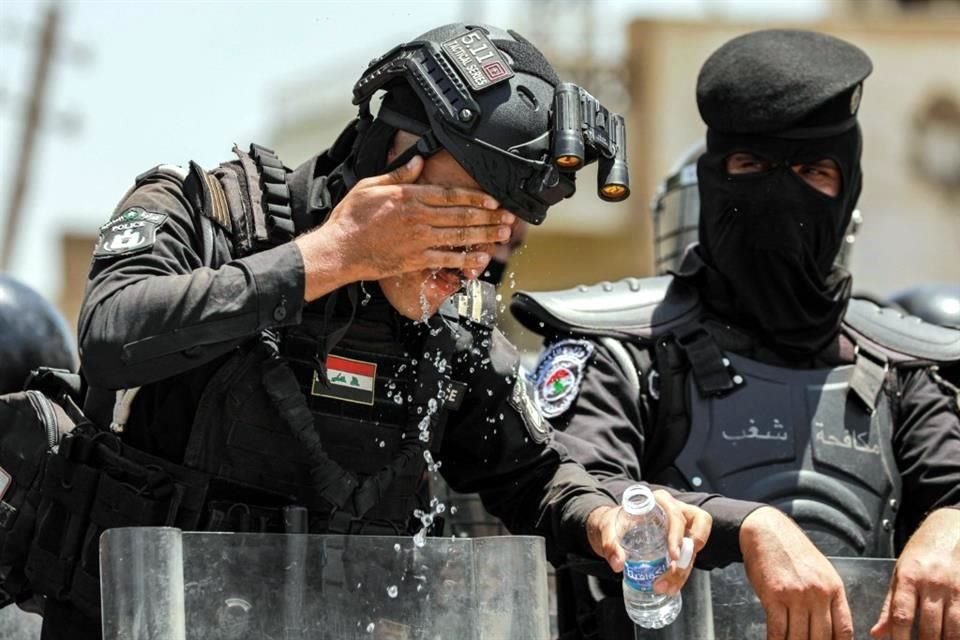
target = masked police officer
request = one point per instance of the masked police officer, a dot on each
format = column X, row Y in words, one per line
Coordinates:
column 277, row 332
column 751, row 373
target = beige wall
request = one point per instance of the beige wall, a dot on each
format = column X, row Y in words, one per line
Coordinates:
column 76, row 250
column 912, row 228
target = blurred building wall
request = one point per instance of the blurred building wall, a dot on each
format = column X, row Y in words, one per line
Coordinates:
column 77, row 252
column 910, row 117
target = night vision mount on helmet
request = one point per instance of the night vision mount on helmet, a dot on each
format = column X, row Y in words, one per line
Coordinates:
column 493, row 101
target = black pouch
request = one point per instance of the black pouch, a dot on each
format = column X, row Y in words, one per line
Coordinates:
column 63, row 482
column 133, row 489
column 31, row 424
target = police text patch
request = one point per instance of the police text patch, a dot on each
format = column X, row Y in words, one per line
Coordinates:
column 477, row 59
column 559, row 375
column 132, row 231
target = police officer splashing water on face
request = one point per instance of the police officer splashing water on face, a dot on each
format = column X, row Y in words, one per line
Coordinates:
column 814, row 423
column 256, row 337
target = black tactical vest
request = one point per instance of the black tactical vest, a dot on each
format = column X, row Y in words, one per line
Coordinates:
column 283, row 422
column 816, row 443
column 797, row 440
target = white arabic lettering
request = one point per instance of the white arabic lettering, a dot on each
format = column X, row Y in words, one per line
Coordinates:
column 857, row 442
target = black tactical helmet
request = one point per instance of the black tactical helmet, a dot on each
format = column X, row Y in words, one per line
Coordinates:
column 491, row 99
column 32, row 334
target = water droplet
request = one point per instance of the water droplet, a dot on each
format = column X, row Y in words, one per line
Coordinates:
column 382, row 444
column 392, row 591
column 453, row 510
column 371, row 627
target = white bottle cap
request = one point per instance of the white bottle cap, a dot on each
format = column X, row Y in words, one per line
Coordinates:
column 638, row 500
column 686, row 553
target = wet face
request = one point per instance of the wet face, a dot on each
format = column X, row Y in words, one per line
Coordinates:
column 418, row 294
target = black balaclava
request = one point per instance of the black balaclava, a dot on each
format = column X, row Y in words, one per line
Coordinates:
column 769, row 239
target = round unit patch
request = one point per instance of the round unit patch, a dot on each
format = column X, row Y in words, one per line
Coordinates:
column 559, row 375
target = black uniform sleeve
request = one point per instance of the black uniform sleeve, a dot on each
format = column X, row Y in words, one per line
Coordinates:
column 158, row 312
column 926, row 442
column 607, row 430
column 523, row 476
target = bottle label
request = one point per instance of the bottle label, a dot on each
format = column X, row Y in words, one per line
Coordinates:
column 642, row 575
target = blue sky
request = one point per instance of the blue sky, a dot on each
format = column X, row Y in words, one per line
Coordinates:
column 174, row 81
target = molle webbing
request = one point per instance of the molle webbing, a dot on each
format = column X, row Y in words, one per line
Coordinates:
column 275, row 195
column 335, row 486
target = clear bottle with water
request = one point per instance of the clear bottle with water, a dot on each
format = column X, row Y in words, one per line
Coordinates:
column 644, row 539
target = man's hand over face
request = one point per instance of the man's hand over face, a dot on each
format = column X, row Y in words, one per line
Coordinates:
column 797, row 586
column 606, row 526
column 925, row 589
column 388, row 225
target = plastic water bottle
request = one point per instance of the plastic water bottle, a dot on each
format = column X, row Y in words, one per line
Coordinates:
column 645, row 543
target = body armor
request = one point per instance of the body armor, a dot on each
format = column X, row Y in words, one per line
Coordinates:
column 285, row 422
column 795, row 439
column 814, row 442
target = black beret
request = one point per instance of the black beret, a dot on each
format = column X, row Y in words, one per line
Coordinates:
column 782, row 81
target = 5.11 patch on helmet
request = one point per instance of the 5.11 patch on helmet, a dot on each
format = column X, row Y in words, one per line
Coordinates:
column 479, row 61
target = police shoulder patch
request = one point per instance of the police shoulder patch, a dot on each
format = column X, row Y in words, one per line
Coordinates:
column 559, row 375
column 130, row 232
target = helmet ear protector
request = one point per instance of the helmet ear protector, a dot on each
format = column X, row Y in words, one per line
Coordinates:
column 526, row 178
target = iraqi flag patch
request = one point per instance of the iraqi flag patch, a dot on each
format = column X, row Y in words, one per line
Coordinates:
column 347, row 379
column 559, row 375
